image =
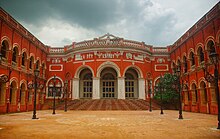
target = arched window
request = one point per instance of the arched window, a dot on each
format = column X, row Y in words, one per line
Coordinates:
column 15, row 54
column 185, row 64
column 85, row 83
column 204, row 95
column 179, row 65
column 37, row 64
column 22, row 94
column 211, row 47
column 30, row 92
column 54, row 87
column 13, row 93
column 192, row 59
column 31, row 62
column 23, row 60
column 131, row 82
column 4, row 49
column 2, row 93
column 186, row 93
column 200, row 55
column 108, row 83
column 194, row 93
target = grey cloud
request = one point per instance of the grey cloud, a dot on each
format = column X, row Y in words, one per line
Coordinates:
column 97, row 15
column 86, row 13
column 66, row 41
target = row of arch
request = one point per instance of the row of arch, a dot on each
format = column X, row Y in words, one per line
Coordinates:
column 18, row 95
column 108, row 74
column 201, row 53
column 108, row 83
column 108, row 64
column 25, row 62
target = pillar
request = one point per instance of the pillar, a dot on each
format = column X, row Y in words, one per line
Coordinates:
column 141, row 88
column 75, row 88
column 121, row 88
column 96, row 88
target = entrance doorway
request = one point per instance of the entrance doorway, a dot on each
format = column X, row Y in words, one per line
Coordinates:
column 108, row 83
column 131, row 84
column 86, row 84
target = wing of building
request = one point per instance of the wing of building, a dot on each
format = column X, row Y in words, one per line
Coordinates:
column 105, row 67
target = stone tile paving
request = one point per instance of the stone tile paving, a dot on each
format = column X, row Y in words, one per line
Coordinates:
column 108, row 124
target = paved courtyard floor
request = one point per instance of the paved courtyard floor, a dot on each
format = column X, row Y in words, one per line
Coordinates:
column 108, row 124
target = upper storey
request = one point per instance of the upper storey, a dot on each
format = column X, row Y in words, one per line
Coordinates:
column 105, row 41
column 25, row 33
column 109, row 41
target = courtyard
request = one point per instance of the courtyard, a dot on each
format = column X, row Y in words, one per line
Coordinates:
column 108, row 124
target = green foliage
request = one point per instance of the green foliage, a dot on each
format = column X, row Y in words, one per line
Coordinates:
column 168, row 86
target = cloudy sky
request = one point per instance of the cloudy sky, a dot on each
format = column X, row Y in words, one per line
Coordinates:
column 61, row 22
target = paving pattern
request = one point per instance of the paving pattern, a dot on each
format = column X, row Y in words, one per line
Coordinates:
column 108, row 124
column 108, row 104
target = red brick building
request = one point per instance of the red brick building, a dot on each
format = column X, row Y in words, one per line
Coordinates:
column 105, row 67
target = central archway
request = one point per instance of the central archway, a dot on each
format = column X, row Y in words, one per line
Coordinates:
column 131, row 84
column 108, row 83
column 85, row 83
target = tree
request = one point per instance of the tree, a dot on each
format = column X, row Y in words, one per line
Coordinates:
column 167, row 86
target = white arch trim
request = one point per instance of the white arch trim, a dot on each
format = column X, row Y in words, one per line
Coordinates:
column 193, row 82
column 16, row 45
column 136, row 68
column 15, row 80
column 108, row 64
column 57, row 78
column 8, row 40
column 209, row 38
column 25, row 83
column 155, row 80
column 82, row 67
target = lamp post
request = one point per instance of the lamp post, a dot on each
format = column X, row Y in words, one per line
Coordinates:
column 178, row 73
column 150, row 96
column 214, row 57
column 54, row 94
column 66, row 91
column 161, row 96
column 149, row 89
column 36, row 73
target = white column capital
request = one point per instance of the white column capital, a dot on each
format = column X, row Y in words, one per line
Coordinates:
column 96, row 78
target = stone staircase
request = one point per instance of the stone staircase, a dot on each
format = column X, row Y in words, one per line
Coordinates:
column 107, row 104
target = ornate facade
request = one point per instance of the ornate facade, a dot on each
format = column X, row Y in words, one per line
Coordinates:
column 105, row 67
